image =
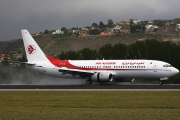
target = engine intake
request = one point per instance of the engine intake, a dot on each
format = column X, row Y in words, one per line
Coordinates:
column 102, row 77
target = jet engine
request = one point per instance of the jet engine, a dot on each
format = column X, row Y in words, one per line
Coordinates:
column 102, row 77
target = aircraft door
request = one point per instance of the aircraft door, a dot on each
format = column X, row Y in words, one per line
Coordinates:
column 155, row 65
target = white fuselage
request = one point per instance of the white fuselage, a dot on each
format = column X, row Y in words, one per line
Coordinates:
column 119, row 68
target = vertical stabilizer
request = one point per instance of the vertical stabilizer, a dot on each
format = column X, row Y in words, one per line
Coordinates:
column 33, row 51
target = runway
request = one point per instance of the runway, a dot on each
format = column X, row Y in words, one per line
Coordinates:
column 92, row 87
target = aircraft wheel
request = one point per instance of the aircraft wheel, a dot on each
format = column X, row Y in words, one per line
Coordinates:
column 161, row 83
column 88, row 82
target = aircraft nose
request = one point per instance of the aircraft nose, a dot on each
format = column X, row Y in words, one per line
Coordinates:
column 175, row 71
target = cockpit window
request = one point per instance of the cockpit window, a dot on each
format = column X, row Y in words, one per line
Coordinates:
column 167, row 65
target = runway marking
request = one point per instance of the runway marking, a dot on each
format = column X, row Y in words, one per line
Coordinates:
column 89, row 89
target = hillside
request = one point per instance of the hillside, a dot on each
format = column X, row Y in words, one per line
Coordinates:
column 54, row 44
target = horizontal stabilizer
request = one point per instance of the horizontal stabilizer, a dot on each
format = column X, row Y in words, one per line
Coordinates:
column 27, row 63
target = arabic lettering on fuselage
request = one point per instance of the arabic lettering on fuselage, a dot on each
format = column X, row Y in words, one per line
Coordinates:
column 132, row 63
column 105, row 63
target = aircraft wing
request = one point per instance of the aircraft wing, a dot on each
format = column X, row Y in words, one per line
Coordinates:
column 74, row 72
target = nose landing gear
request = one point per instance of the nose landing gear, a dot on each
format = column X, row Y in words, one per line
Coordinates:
column 162, row 80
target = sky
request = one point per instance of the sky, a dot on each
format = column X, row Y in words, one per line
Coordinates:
column 39, row 15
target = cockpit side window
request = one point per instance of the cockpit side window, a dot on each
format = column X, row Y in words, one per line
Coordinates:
column 167, row 65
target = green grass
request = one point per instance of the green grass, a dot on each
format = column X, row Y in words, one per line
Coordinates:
column 89, row 105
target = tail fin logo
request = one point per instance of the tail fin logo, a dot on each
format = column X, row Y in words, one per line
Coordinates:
column 31, row 49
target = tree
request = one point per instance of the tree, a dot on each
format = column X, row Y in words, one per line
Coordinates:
column 106, row 51
column 23, row 59
column 70, row 55
column 119, row 51
column 73, row 55
column 62, row 56
column 88, row 54
column 131, row 21
column 137, row 28
column 46, row 32
column 159, row 23
column 110, row 23
column 94, row 25
column 65, row 30
column 95, row 31
column 101, row 24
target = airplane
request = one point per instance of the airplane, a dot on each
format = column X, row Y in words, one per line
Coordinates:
column 94, row 70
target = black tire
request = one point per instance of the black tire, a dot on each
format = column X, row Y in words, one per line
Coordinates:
column 161, row 83
column 88, row 82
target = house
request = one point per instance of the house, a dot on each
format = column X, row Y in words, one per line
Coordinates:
column 124, row 22
column 136, row 21
column 75, row 31
column 106, row 33
column 125, row 31
column 17, row 56
column 85, row 29
column 150, row 23
column 83, row 33
column 2, row 56
column 151, row 28
column 58, row 32
column 178, row 27
column 168, row 23
column 116, row 28
column 35, row 34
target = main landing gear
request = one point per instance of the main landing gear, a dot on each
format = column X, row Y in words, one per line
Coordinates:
column 161, row 83
column 89, row 82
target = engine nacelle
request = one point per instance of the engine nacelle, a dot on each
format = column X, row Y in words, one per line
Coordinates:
column 102, row 77
column 165, row 78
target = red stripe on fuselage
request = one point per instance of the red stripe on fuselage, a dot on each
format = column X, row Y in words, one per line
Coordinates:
column 59, row 63
column 65, row 63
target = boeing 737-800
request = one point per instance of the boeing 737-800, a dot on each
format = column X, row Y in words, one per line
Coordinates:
column 94, row 70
